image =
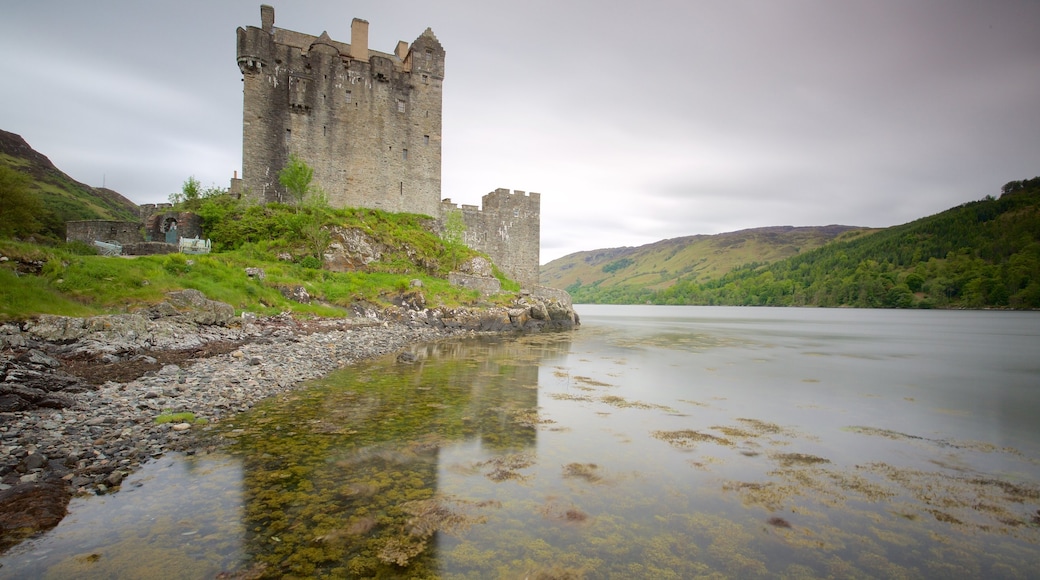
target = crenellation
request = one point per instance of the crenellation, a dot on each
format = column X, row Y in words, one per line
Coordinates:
column 369, row 124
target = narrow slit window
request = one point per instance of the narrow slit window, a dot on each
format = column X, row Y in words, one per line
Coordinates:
column 402, row 188
column 404, row 154
column 425, row 139
column 288, row 135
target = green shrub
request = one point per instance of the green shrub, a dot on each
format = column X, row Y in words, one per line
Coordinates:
column 78, row 248
column 176, row 264
column 311, row 262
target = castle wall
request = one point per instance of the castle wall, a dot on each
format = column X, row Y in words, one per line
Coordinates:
column 89, row 231
column 367, row 122
column 508, row 229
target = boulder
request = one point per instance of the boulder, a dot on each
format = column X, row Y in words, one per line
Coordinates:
column 29, row 508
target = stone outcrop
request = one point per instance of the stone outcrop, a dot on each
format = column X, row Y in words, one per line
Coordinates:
column 351, row 249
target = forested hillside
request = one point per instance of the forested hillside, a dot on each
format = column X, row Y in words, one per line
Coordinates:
column 978, row 255
column 53, row 197
column 658, row 265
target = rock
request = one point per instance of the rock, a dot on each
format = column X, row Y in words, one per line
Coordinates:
column 34, row 461
column 195, row 307
column 114, row 479
column 296, row 294
column 36, row 357
column 350, row 249
column 415, row 283
column 181, row 426
column 11, row 403
column 257, row 273
column 476, row 266
column 406, row 357
column 28, row 508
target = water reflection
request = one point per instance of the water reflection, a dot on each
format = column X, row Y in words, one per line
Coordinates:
column 177, row 517
column 344, row 478
column 655, row 443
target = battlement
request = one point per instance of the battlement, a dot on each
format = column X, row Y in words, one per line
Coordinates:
column 507, row 228
column 369, row 124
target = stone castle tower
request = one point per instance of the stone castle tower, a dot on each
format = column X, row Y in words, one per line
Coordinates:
column 369, row 124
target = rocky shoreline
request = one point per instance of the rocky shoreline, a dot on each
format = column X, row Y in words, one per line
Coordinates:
column 80, row 398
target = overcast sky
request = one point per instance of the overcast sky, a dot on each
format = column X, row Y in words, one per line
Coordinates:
column 636, row 121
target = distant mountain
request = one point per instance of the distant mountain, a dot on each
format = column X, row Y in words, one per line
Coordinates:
column 64, row 199
column 661, row 264
column 981, row 254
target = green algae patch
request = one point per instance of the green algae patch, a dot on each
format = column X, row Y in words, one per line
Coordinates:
column 688, row 438
column 791, row 459
column 591, row 382
column 589, row 472
column 179, row 418
column 507, row 467
column 623, row 403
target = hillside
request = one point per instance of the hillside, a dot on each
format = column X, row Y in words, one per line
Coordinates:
column 661, row 264
column 63, row 198
column 982, row 254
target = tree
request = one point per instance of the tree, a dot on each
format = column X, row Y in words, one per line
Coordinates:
column 191, row 192
column 296, row 177
column 18, row 206
column 317, row 236
column 454, row 235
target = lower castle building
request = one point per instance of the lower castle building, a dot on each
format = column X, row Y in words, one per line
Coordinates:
column 369, row 124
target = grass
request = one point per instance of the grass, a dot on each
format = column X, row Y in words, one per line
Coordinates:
column 183, row 417
column 72, row 284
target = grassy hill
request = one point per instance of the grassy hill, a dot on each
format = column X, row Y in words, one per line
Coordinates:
column 63, row 198
column 982, row 254
column 41, row 274
column 662, row 264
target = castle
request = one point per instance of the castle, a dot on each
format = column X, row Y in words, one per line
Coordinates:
column 369, row 124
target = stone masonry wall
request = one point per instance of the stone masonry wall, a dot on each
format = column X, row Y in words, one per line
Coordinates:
column 89, row 231
column 507, row 229
column 368, row 122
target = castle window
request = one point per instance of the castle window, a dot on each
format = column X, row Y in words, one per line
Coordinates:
column 288, row 135
column 324, row 130
column 516, row 213
column 400, row 105
column 426, row 79
column 425, row 139
column 404, row 154
column 402, row 188
column 349, row 96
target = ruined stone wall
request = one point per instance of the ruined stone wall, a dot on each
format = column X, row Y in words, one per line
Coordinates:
column 508, row 229
column 368, row 122
column 171, row 226
column 89, row 231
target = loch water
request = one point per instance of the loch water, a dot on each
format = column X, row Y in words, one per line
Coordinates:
column 653, row 442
